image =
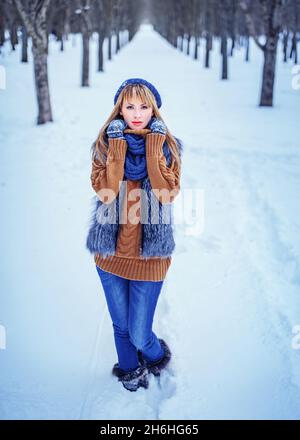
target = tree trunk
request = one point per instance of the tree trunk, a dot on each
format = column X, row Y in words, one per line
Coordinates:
column 174, row 40
column 130, row 34
column 224, row 57
column 196, row 48
column 109, row 47
column 294, row 48
column 118, row 41
column 285, row 45
column 42, row 85
column 181, row 43
column 100, row 51
column 85, row 59
column 232, row 45
column 269, row 72
column 13, row 37
column 247, row 57
column 208, row 47
column 188, row 44
column 2, row 33
column 24, row 56
column 36, row 25
column 271, row 13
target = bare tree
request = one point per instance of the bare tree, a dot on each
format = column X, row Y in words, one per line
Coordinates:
column 224, row 8
column 33, row 14
column 270, row 11
column 83, row 11
column 294, row 20
column 101, row 27
column 208, row 30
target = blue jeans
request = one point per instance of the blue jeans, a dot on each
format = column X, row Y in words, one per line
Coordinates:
column 131, row 305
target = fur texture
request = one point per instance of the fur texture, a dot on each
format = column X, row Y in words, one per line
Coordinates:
column 156, row 367
column 132, row 380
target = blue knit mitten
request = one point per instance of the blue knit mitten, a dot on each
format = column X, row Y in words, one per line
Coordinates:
column 115, row 129
column 157, row 126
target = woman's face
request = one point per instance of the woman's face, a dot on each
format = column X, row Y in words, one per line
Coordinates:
column 136, row 111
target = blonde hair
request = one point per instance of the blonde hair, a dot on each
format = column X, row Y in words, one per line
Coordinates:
column 100, row 146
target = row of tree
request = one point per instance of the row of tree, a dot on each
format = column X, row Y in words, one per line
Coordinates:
column 38, row 19
column 232, row 22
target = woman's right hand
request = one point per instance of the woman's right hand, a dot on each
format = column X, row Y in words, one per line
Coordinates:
column 115, row 128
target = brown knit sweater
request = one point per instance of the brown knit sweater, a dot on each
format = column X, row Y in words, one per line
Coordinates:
column 127, row 262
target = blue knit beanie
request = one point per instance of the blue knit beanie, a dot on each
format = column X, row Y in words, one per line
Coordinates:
column 139, row 81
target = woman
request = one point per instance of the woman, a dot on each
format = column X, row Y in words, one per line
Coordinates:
column 136, row 167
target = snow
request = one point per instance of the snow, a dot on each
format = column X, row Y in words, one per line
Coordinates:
column 230, row 303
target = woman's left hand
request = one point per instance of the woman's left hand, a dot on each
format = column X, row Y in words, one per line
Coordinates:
column 157, row 126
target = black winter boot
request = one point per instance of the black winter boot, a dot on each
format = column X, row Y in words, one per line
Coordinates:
column 116, row 370
column 156, row 367
column 132, row 380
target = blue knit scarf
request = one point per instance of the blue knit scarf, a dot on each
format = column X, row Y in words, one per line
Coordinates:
column 135, row 167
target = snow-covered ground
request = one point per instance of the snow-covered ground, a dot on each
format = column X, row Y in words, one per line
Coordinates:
column 230, row 301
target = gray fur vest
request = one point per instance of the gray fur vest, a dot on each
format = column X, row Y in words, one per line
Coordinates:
column 156, row 219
